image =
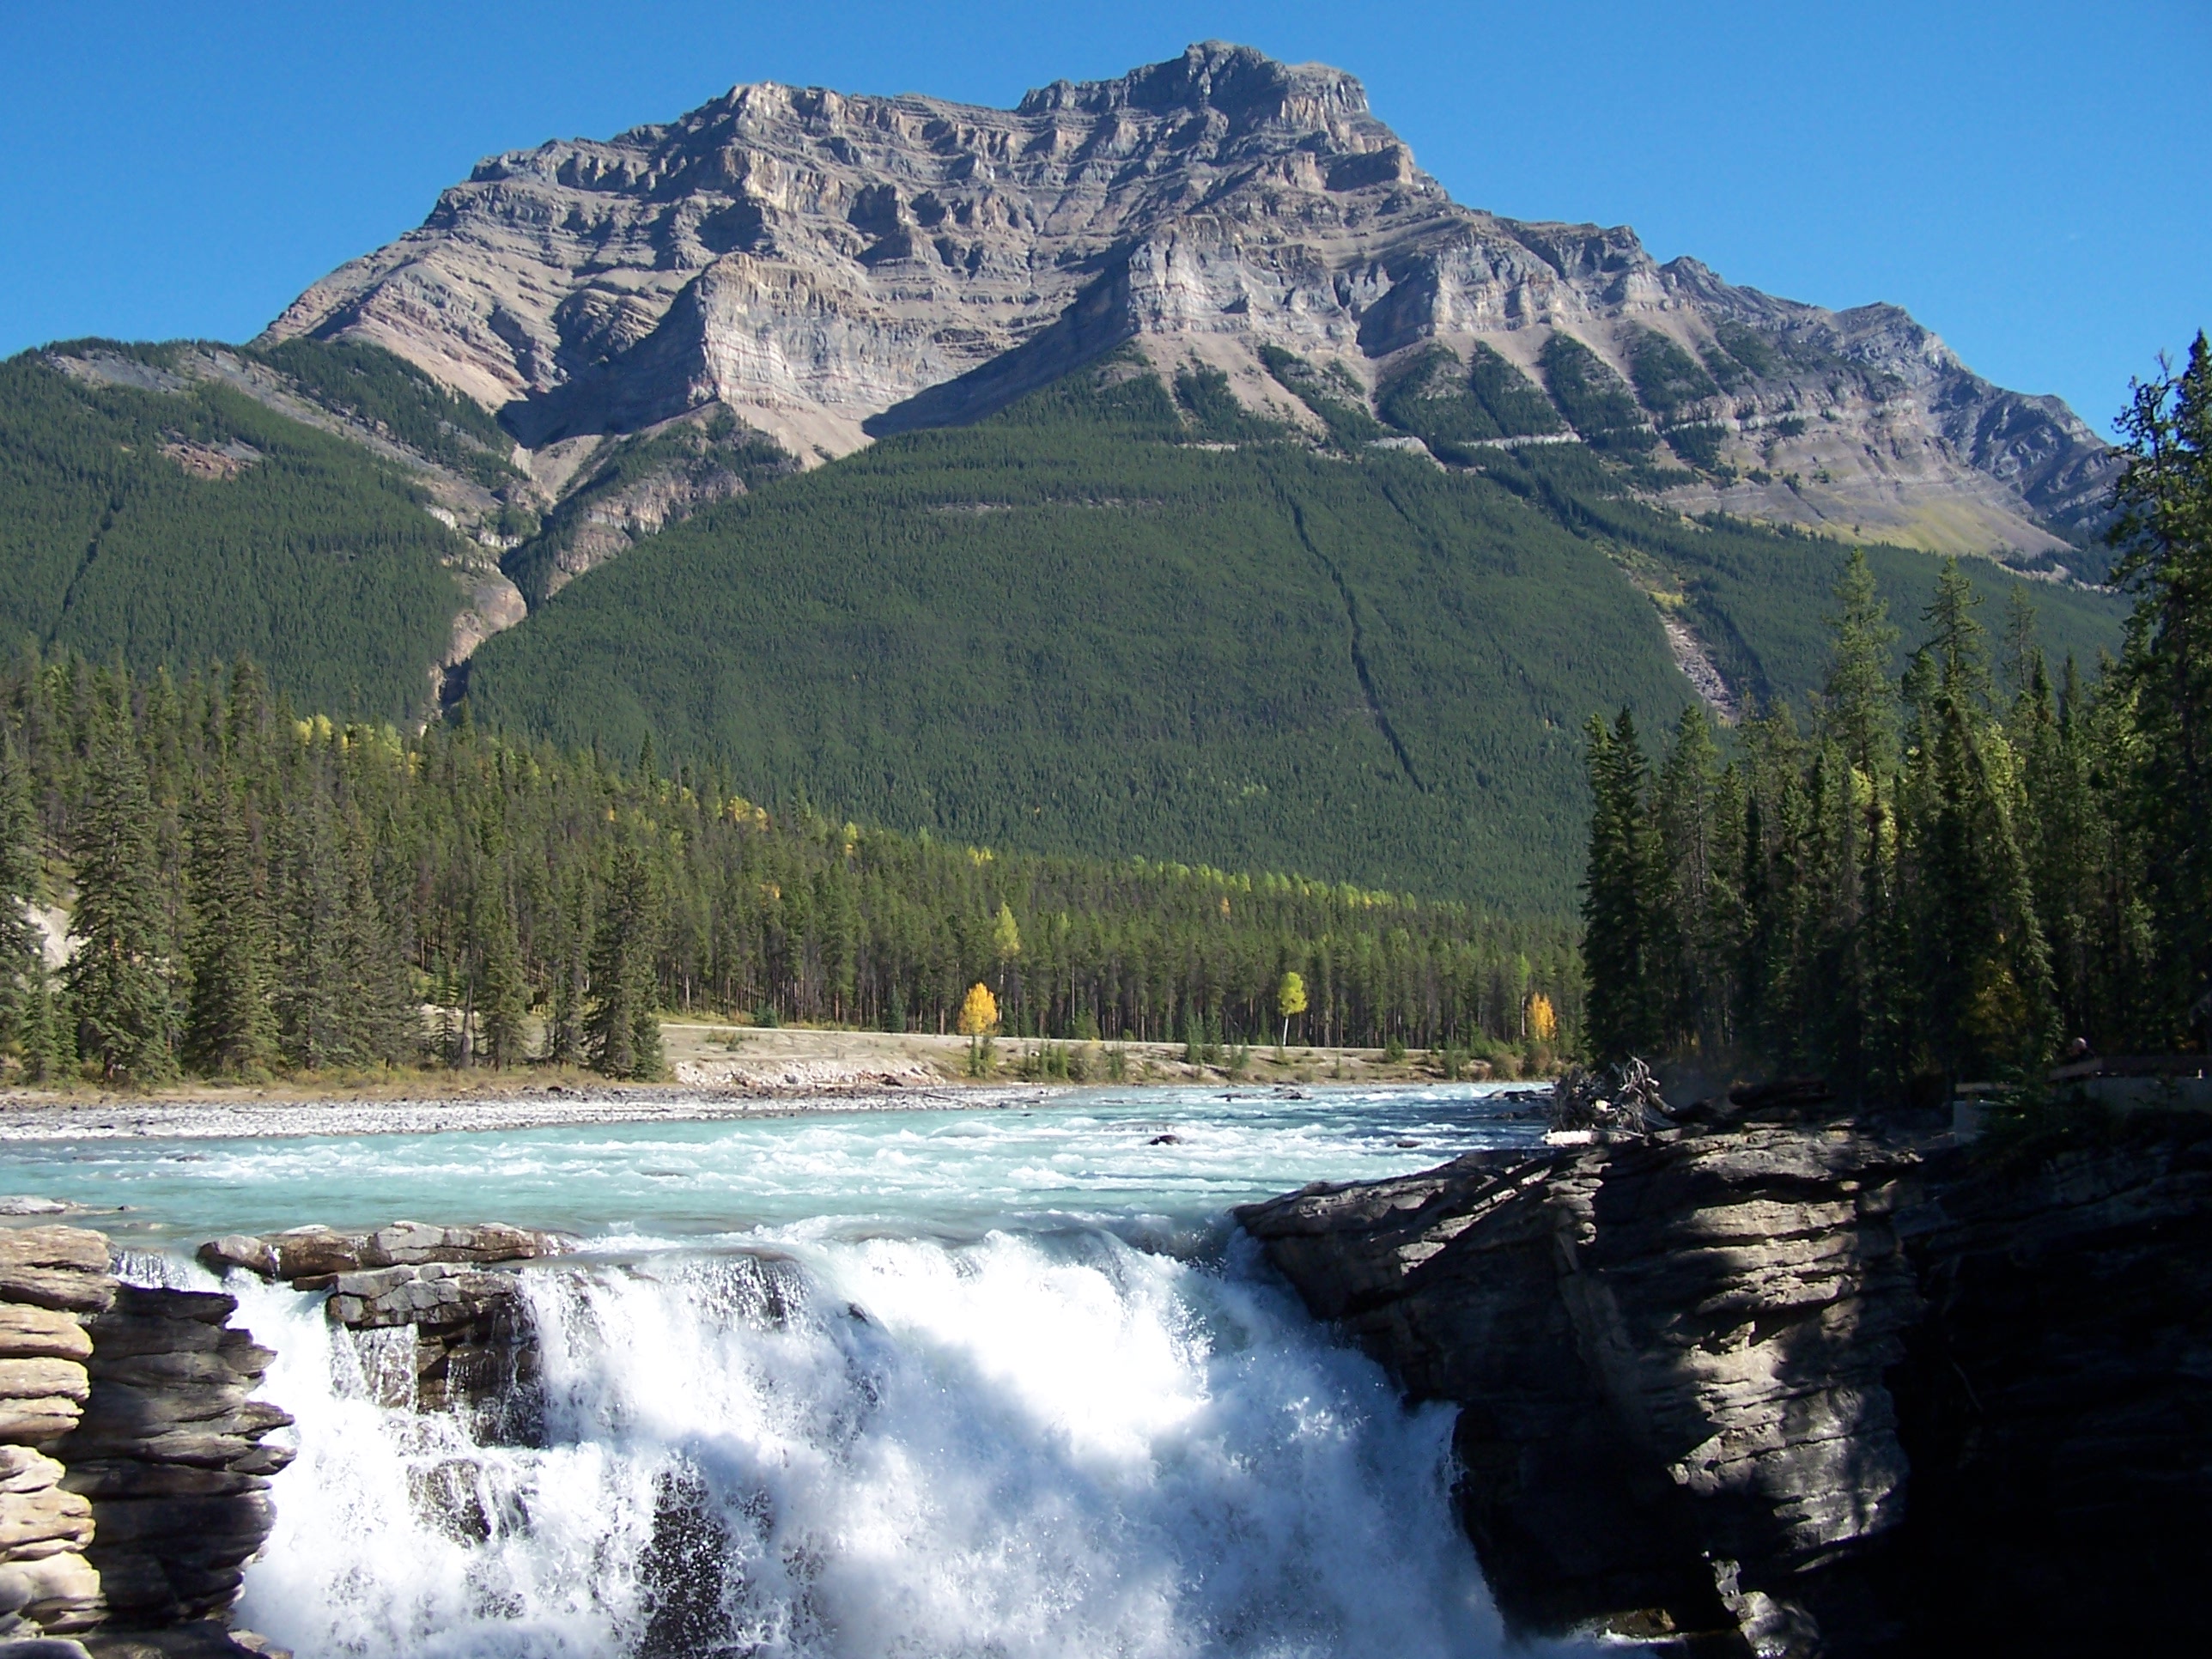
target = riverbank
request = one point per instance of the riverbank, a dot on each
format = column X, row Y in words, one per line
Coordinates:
column 716, row 1072
column 238, row 1116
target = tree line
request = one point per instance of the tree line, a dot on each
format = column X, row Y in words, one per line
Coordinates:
column 233, row 890
column 1959, row 873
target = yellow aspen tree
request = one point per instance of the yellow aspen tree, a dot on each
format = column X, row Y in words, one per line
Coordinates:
column 1289, row 1000
column 979, row 1013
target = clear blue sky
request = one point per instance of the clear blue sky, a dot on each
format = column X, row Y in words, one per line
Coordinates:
column 2030, row 179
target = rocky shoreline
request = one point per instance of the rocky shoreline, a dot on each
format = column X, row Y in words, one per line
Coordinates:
column 1807, row 1386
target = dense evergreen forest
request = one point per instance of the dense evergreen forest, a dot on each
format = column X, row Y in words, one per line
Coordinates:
column 1125, row 618
column 1122, row 618
column 188, row 524
column 1958, row 872
column 254, row 891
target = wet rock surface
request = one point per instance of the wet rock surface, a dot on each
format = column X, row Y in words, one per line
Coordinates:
column 474, row 1349
column 1801, row 1388
column 310, row 1252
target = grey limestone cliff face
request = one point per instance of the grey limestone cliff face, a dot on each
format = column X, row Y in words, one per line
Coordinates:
column 830, row 267
column 1803, row 1388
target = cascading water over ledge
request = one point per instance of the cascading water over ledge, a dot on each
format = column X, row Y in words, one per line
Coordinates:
column 1024, row 1444
column 996, row 1381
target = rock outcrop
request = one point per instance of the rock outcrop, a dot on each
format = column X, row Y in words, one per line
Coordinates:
column 133, row 1475
column 313, row 1254
column 170, row 1454
column 473, row 1349
column 829, row 267
column 1810, row 1388
column 52, row 1279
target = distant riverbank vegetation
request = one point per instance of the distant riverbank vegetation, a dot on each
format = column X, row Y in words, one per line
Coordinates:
column 240, row 891
column 1959, row 873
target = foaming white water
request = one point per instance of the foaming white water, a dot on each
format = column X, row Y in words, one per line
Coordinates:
column 1028, row 1444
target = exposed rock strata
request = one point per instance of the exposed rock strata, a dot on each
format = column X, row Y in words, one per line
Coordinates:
column 170, row 1452
column 133, row 1478
column 473, row 1349
column 1803, row 1386
column 313, row 1252
column 830, row 266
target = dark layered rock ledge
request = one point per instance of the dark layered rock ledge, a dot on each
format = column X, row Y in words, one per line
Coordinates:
column 134, row 1473
column 1805, row 1388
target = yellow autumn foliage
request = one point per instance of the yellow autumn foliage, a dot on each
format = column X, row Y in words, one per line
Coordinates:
column 980, row 1012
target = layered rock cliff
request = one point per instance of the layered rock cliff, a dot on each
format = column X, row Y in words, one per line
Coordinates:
column 829, row 267
column 1810, row 1388
column 133, row 1470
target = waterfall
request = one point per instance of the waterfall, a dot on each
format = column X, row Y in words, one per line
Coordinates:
column 1048, row 1442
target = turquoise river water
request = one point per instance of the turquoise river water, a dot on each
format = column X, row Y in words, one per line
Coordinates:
column 996, row 1383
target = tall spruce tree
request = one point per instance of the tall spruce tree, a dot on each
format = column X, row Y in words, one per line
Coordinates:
column 1858, row 726
column 622, row 1028
column 1697, row 893
column 2164, row 538
column 22, row 886
column 1622, row 902
column 231, row 1029
column 503, row 992
column 1982, row 962
column 122, row 981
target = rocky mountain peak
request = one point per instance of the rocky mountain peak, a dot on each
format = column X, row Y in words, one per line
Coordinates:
column 831, row 267
column 1215, row 76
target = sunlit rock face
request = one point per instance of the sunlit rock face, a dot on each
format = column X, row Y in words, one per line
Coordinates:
column 835, row 267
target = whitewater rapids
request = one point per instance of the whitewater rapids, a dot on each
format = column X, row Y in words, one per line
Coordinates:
column 1006, row 1387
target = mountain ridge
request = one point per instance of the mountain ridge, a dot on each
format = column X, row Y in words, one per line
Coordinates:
column 831, row 268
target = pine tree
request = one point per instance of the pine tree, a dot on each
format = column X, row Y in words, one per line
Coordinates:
column 22, row 886
column 1623, row 911
column 121, row 980
column 1858, row 726
column 1696, row 895
column 1981, row 963
column 380, row 1018
column 574, row 926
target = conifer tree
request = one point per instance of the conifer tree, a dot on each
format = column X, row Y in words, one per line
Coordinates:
column 2164, row 538
column 1695, row 896
column 121, row 980
column 1981, row 963
column 1621, row 911
column 502, row 995
column 574, row 924
column 231, row 1027
column 23, row 885
column 622, row 1028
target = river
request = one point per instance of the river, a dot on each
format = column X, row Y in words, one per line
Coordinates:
column 990, row 1383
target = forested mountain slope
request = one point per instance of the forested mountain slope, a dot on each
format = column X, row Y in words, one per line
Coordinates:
column 1129, row 620
column 173, row 518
